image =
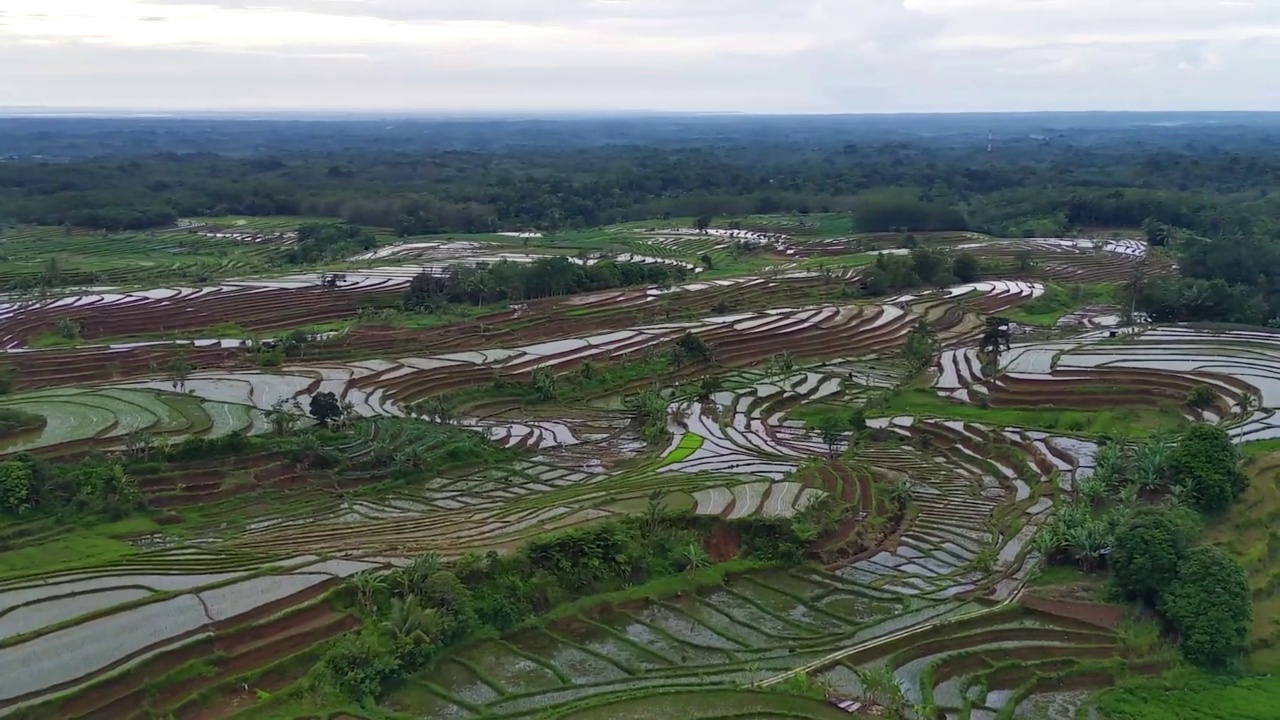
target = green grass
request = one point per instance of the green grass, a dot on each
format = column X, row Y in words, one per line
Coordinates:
column 1059, row 300
column 1187, row 695
column 74, row 548
column 1259, row 448
column 1128, row 421
column 689, row 444
column 128, row 527
column 1062, row 575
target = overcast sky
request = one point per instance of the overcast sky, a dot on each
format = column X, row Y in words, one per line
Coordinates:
column 704, row 55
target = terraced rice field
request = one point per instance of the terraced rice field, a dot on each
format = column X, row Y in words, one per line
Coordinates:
column 635, row 660
column 237, row 596
column 98, row 636
column 1137, row 368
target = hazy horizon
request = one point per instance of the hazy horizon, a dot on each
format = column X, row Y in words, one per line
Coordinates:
column 639, row 56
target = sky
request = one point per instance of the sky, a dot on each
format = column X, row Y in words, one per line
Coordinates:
column 759, row 56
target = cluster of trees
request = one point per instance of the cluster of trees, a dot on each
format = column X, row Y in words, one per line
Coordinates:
column 548, row 277
column 1117, row 515
column 920, row 267
column 1233, row 278
column 1200, row 592
column 418, row 612
column 897, row 210
column 92, row 487
column 327, row 242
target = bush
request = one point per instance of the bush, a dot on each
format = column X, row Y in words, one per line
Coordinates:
column 1201, row 397
column 14, row 421
column 965, row 267
column 1210, row 606
column 421, row 610
column 1207, row 464
column 359, row 664
column 1147, row 551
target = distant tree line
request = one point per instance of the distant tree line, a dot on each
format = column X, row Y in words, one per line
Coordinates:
column 506, row 280
column 922, row 184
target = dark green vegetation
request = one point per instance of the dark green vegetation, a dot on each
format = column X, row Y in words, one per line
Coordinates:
column 326, row 242
column 438, row 177
column 16, row 421
column 507, row 281
column 417, row 612
column 1121, row 518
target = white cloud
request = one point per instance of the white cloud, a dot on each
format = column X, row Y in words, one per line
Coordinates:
column 751, row 55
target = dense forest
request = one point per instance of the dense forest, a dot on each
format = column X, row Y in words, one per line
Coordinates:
column 1041, row 176
column 1200, row 183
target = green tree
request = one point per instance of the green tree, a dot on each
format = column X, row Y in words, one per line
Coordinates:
column 708, row 386
column 1147, row 550
column 179, row 371
column 832, row 432
column 965, row 267
column 1201, row 397
column 325, row 408
column 16, row 479
column 1207, row 463
column 702, row 223
column 691, row 348
column 1211, row 607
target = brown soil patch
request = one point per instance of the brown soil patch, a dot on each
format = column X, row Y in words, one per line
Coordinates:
column 1099, row 614
column 723, row 544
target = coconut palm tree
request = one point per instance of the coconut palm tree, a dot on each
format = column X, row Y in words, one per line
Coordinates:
column 1148, row 461
column 409, row 622
column 282, row 421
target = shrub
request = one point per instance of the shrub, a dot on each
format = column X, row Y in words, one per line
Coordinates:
column 1201, row 397
column 1210, row 606
column 1147, row 551
column 1207, row 464
column 15, row 421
